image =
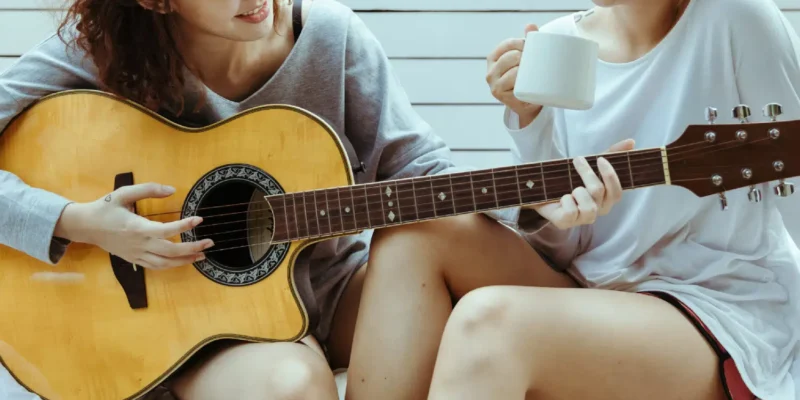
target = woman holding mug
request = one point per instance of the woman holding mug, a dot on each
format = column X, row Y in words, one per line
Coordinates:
column 685, row 300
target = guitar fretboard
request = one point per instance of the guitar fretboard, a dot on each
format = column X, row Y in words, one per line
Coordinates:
column 344, row 210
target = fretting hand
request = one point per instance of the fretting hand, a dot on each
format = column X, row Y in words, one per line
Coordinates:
column 110, row 224
column 595, row 198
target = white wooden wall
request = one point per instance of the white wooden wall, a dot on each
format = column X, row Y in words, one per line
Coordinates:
column 438, row 48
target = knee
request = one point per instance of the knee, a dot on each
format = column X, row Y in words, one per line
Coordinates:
column 300, row 378
column 425, row 238
column 481, row 313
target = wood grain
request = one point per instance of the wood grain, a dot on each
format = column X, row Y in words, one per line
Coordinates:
column 81, row 335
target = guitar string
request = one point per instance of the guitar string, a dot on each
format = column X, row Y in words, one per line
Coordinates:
column 215, row 250
column 408, row 209
column 545, row 164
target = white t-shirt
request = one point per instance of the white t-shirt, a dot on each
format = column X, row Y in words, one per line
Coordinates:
column 737, row 269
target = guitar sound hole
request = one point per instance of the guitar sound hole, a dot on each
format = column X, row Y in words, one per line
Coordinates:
column 239, row 221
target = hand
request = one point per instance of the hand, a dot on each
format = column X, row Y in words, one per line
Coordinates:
column 585, row 204
column 110, row 224
column 503, row 64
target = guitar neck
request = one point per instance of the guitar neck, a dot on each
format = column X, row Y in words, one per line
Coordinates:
column 344, row 210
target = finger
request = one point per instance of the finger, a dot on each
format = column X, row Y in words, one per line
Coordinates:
column 611, row 181
column 587, row 208
column 170, row 229
column 507, row 82
column 166, row 248
column 531, row 28
column 624, row 145
column 590, row 180
column 504, row 47
column 134, row 193
column 150, row 260
column 506, row 62
column 568, row 212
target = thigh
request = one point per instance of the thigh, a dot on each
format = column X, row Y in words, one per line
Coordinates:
column 576, row 343
column 469, row 252
column 236, row 370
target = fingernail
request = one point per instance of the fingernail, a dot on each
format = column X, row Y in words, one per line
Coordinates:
column 168, row 189
column 201, row 257
column 196, row 221
column 208, row 245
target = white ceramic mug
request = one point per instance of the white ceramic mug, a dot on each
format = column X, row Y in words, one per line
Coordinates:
column 557, row 70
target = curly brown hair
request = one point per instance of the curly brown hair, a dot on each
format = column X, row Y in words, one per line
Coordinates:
column 132, row 45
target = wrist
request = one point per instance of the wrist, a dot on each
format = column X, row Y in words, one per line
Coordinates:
column 527, row 114
column 71, row 224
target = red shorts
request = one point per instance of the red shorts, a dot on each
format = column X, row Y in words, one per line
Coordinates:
column 732, row 382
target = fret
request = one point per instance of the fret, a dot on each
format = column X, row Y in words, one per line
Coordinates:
column 505, row 180
column 323, row 216
column 288, row 216
column 556, row 178
column 312, row 214
column 391, row 203
column 422, row 195
column 300, row 215
column 483, row 190
column 347, row 209
column 463, row 199
column 630, row 170
column 621, row 164
column 442, row 195
column 334, row 210
column 375, row 203
column 406, row 202
column 544, row 184
column 361, row 207
column 529, row 179
column 648, row 167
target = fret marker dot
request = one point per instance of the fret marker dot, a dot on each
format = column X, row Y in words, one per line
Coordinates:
column 391, row 216
column 322, row 213
column 388, row 192
column 442, row 196
column 529, row 184
column 484, row 191
column 391, row 204
column 347, row 209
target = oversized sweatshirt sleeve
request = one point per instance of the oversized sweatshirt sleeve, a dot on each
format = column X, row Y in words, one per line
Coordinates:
column 766, row 52
column 387, row 133
column 538, row 142
column 28, row 215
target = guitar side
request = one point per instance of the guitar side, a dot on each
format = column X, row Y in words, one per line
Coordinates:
column 68, row 331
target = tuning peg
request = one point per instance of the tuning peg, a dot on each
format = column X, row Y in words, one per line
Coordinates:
column 784, row 189
column 754, row 195
column 773, row 111
column 741, row 112
column 711, row 115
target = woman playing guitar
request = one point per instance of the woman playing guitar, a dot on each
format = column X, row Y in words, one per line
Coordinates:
column 199, row 62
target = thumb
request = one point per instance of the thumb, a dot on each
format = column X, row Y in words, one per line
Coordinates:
column 624, row 145
column 134, row 193
column 531, row 28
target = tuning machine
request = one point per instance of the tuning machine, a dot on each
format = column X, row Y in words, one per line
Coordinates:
column 742, row 113
column 784, row 189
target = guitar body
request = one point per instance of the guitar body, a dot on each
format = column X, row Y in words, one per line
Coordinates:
column 71, row 331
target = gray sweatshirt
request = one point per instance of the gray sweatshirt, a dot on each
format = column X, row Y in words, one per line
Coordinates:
column 337, row 70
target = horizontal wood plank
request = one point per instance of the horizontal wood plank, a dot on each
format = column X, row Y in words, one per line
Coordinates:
column 414, row 5
column 402, row 35
column 482, row 159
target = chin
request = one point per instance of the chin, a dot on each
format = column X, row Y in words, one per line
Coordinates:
column 606, row 3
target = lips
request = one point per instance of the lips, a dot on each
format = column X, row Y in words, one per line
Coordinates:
column 256, row 15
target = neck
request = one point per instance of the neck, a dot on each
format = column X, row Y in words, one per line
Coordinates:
column 643, row 24
column 228, row 65
column 345, row 210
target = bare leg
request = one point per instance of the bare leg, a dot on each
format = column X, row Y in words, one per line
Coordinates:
column 254, row 371
column 415, row 273
column 509, row 342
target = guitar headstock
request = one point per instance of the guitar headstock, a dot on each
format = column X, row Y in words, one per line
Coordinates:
column 716, row 158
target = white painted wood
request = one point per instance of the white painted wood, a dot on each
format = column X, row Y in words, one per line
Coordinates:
column 444, row 81
column 402, row 35
column 6, row 62
column 472, row 5
column 468, row 127
column 482, row 159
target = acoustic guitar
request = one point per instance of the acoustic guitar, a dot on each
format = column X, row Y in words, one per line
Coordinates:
column 268, row 182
